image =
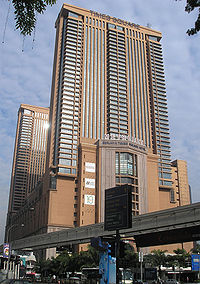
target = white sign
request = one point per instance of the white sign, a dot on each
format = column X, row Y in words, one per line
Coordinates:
column 89, row 182
column 140, row 256
column 89, row 199
column 90, row 167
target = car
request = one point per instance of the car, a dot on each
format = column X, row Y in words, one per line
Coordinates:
column 75, row 279
column 171, row 281
column 14, row 281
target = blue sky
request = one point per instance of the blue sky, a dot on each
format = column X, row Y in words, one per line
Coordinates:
column 25, row 76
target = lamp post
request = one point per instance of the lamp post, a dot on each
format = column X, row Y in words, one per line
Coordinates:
column 7, row 242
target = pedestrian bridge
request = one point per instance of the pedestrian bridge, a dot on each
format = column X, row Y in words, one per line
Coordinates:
column 180, row 224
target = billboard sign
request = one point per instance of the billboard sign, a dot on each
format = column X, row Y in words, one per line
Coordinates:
column 6, row 250
column 195, row 262
column 118, row 208
column 89, row 183
column 90, row 167
column 89, row 199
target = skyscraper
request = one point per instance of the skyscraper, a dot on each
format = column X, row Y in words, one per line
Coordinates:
column 108, row 123
column 108, row 83
column 29, row 154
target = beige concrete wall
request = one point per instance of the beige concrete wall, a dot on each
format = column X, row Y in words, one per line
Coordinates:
column 61, row 203
column 153, row 187
column 87, row 212
column 180, row 178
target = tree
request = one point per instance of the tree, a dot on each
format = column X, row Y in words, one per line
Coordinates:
column 25, row 13
column 156, row 259
column 130, row 259
column 191, row 5
column 43, row 267
column 181, row 257
column 196, row 249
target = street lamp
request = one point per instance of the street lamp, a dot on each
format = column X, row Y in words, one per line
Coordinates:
column 9, row 230
column 7, row 242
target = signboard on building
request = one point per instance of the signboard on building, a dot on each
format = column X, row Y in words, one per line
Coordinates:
column 6, row 250
column 89, row 199
column 118, row 208
column 90, row 167
column 89, row 182
column 195, row 262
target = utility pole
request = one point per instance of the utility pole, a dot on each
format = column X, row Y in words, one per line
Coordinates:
column 141, row 261
column 117, row 255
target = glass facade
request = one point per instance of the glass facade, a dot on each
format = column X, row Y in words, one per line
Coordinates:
column 117, row 104
column 111, row 81
column 161, row 138
column 68, row 104
column 126, row 172
column 30, row 153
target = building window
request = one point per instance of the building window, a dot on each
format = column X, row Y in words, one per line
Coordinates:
column 124, row 164
column 52, row 182
column 172, row 195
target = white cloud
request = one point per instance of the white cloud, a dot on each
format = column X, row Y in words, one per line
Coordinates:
column 25, row 77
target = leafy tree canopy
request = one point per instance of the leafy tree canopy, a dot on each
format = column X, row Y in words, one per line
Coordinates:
column 196, row 249
column 190, row 6
column 25, row 13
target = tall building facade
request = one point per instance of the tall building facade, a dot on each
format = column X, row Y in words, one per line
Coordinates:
column 108, row 100
column 29, row 157
column 108, row 80
column 108, row 124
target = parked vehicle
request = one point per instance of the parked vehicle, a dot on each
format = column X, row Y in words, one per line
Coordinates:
column 171, row 281
column 14, row 281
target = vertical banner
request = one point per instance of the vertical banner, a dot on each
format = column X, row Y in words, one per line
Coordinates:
column 6, row 250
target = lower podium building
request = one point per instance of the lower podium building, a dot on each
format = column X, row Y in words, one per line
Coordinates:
column 108, row 126
column 61, row 202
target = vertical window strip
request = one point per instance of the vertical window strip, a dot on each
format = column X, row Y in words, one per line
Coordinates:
column 139, row 93
column 100, row 84
column 96, row 84
column 158, row 136
column 146, row 96
column 131, row 109
column 92, row 84
column 143, row 94
column 136, row 91
column 103, row 85
column 58, row 107
column 85, row 76
column 88, row 83
column 133, row 90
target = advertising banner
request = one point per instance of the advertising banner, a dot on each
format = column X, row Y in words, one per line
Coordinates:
column 6, row 250
column 90, row 167
column 89, row 182
column 89, row 199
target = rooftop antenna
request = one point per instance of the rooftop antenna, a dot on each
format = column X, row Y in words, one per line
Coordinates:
column 149, row 25
column 6, row 22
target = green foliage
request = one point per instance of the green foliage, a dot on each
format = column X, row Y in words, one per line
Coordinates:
column 156, row 258
column 25, row 13
column 130, row 259
column 181, row 258
column 196, row 249
column 66, row 262
column 191, row 5
column 43, row 267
